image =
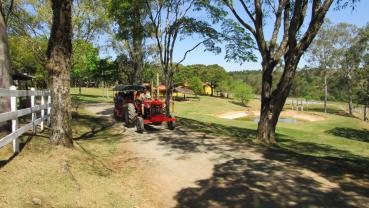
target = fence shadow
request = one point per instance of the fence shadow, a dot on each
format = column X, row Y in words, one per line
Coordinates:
column 22, row 144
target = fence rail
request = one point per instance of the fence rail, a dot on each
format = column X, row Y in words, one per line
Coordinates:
column 15, row 113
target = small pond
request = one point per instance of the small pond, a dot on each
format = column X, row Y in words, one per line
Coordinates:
column 283, row 120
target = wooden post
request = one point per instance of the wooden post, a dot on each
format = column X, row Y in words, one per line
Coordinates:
column 33, row 114
column 292, row 104
column 157, row 85
column 42, row 112
column 302, row 105
column 13, row 107
column 48, row 109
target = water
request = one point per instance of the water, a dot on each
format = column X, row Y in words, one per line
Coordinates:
column 283, row 120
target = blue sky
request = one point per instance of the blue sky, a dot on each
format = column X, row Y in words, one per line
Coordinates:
column 359, row 17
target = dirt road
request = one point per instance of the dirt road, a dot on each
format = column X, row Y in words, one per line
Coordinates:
column 188, row 168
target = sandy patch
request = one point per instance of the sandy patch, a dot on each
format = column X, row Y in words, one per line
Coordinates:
column 302, row 116
column 289, row 114
column 237, row 114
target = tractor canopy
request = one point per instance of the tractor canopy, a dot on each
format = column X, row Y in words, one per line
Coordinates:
column 129, row 88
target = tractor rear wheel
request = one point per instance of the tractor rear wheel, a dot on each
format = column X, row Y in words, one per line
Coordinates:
column 130, row 115
column 140, row 125
column 171, row 124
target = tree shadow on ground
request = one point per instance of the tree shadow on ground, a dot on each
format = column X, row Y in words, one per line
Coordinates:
column 331, row 111
column 349, row 133
column 236, row 133
column 237, row 103
column 260, row 183
column 278, row 180
column 95, row 124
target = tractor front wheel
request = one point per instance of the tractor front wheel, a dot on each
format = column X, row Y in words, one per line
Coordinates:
column 130, row 115
column 171, row 124
column 140, row 125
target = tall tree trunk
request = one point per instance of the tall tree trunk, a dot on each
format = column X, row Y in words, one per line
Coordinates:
column 5, row 74
column 365, row 111
column 59, row 65
column 350, row 104
column 266, row 129
column 325, row 92
column 79, row 87
column 168, row 94
column 272, row 102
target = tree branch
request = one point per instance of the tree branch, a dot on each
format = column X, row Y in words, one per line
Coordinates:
column 190, row 50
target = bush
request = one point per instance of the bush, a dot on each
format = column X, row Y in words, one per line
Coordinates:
column 243, row 92
column 195, row 84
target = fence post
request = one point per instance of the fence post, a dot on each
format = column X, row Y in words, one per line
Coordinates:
column 48, row 109
column 42, row 112
column 33, row 114
column 302, row 105
column 292, row 103
column 13, row 107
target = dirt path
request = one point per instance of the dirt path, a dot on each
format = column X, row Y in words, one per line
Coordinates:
column 187, row 168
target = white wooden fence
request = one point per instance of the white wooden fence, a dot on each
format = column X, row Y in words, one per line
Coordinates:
column 15, row 113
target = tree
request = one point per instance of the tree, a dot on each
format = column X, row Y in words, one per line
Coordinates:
column 242, row 92
column 130, row 17
column 363, row 50
column 347, row 55
column 195, row 84
column 289, row 17
column 321, row 53
column 27, row 56
column 5, row 73
column 214, row 75
column 59, row 54
column 169, row 20
column 84, row 63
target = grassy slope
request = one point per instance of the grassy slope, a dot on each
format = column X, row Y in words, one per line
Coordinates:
column 337, row 136
column 94, row 174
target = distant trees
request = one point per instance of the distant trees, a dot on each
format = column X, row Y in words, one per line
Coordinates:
column 169, row 21
column 195, row 84
column 130, row 18
column 347, row 58
column 84, row 63
column 362, row 50
column 242, row 92
column 322, row 54
column 214, row 75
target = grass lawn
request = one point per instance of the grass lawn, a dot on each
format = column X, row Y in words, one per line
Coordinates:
column 336, row 136
column 92, row 95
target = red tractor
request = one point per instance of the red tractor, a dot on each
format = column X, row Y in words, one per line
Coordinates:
column 137, row 111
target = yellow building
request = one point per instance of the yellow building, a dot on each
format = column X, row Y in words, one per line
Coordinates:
column 206, row 89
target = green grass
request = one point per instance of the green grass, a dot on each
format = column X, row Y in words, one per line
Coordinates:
column 92, row 95
column 336, row 136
